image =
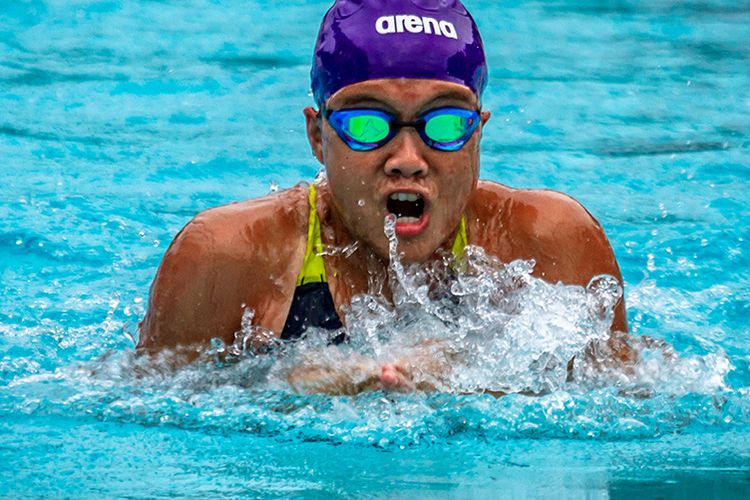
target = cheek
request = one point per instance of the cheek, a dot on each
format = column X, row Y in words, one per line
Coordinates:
column 463, row 175
column 335, row 152
column 472, row 164
column 351, row 188
column 344, row 174
column 349, row 173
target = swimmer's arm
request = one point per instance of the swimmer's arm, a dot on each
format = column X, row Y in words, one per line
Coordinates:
column 206, row 281
column 573, row 249
column 184, row 300
column 226, row 261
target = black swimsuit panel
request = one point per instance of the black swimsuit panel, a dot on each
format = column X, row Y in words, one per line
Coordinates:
column 312, row 305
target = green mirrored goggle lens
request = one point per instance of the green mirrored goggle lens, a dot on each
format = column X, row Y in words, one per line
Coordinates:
column 368, row 128
column 445, row 127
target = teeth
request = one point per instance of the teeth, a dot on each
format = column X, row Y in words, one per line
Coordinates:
column 404, row 196
column 408, row 220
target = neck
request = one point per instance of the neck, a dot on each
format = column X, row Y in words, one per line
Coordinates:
column 352, row 266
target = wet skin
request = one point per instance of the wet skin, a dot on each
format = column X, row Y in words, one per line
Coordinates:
column 248, row 254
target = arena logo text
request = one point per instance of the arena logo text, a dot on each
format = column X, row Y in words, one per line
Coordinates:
column 386, row 25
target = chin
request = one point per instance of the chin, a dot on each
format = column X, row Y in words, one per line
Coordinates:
column 414, row 249
column 415, row 252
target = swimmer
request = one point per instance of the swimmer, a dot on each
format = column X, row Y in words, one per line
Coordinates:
column 397, row 125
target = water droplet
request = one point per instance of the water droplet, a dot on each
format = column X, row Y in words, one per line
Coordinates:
column 273, row 187
column 156, row 243
column 142, row 234
column 361, row 203
column 334, row 251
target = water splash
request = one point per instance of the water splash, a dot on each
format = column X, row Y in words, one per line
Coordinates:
column 476, row 324
column 465, row 325
column 345, row 251
column 491, row 326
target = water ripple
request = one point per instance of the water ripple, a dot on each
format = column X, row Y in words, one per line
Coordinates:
column 12, row 131
column 255, row 61
column 663, row 149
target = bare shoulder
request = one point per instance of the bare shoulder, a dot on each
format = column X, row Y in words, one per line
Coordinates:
column 553, row 228
column 240, row 229
column 553, row 214
column 567, row 243
column 224, row 260
column 535, row 206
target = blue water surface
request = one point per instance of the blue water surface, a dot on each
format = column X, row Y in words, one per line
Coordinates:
column 119, row 120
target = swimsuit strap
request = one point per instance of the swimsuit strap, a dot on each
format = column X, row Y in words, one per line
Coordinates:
column 314, row 269
column 459, row 244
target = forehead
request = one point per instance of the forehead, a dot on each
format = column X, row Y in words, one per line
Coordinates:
column 404, row 94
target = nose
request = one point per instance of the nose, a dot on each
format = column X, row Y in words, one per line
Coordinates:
column 406, row 155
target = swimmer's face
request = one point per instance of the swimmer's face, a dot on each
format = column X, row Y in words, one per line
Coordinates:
column 427, row 188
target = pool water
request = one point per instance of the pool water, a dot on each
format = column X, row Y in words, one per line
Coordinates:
column 120, row 120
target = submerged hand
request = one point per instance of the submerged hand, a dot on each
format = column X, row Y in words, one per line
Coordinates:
column 358, row 376
column 396, row 377
column 422, row 368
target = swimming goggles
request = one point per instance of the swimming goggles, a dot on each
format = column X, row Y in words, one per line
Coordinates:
column 444, row 129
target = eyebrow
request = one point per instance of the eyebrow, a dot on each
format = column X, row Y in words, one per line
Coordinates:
column 362, row 99
column 366, row 99
column 451, row 95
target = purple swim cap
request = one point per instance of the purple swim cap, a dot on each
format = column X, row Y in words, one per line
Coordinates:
column 363, row 40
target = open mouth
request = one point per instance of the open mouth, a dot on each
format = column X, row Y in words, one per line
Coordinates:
column 407, row 207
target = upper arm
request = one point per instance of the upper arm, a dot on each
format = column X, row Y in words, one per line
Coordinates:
column 182, row 292
column 223, row 262
column 571, row 246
